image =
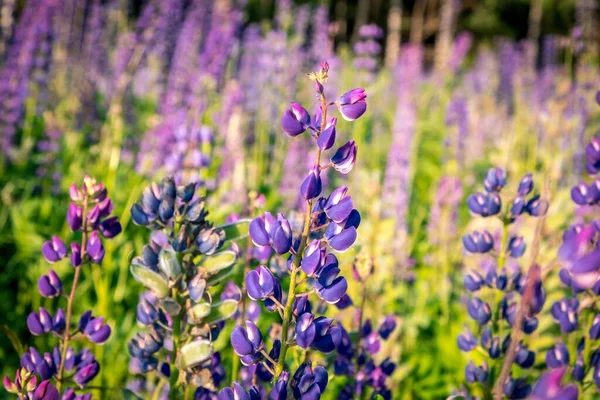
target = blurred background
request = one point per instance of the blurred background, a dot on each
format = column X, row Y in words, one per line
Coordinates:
column 129, row 91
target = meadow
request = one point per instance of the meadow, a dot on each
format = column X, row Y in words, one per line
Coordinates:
column 196, row 205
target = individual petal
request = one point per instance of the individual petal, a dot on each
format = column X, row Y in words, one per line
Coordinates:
column 342, row 241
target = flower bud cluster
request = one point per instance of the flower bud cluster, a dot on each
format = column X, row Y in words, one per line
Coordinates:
column 184, row 260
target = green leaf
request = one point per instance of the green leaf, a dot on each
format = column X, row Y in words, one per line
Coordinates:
column 218, row 261
column 199, row 311
column 195, row 353
column 168, row 263
column 150, row 279
column 236, row 230
column 219, row 276
column 14, row 338
column 127, row 394
column 221, row 311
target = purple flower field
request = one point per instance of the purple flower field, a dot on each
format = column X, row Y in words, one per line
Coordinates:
column 252, row 199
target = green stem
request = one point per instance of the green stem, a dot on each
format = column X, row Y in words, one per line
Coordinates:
column 587, row 348
column 501, row 262
column 174, row 378
column 71, row 298
column 502, row 255
column 173, row 381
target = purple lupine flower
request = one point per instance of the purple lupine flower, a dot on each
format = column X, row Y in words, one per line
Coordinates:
column 40, row 323
column 525, row 185
column 239, row 393
column 457, row 114
column 516, row 246
column 495, row 180
column 326, row 139
column 517, row 388
column 344, row 158
column 331, row 287
column 462, row 45
column 75, row 255
column 279, row 391
column 91, row 196
column 311, row 382
column 96, row 330
column 352, row 105
column 312, row 185
column 46, row 391
column 268, row 231
column 565, row 312
column 557, row 356
column 396, row 185
column 248, row 341
column 50, row 285
column 478, row 242
column 332, row 223
column 476, row 374
column 368, row 49
column 524, row 358
column 296, row 120
column 313, row 257
column 260, row 283
column 87, row 373
column 341, row 236
column 54, row 250
column 305, row 330
column 327, row 335
column 34, row 361
column 338, row 206
column 95, row 249
column 473, row 281
column 484, row 204
column 466, row 341
column 549, row 387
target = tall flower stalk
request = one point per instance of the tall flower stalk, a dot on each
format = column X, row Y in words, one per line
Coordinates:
column 179, row 266
column 495, row 287
column 89, row 213
column 328, row 223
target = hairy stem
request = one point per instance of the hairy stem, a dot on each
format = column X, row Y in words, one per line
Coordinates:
column 71, row 298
